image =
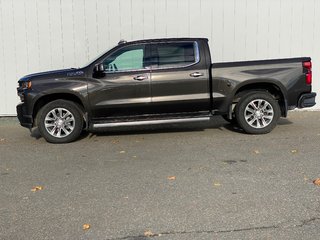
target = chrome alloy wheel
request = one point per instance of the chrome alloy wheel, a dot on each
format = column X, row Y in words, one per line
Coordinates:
column 59, row 122
column 259, row 113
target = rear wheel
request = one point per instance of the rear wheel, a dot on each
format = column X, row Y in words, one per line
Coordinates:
column 60, row 121
column 257, row 113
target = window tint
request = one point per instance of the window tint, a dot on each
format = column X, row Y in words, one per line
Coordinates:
column 174, row 54
column 127, row 58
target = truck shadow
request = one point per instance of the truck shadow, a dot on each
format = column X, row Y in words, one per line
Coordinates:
column 216, row 122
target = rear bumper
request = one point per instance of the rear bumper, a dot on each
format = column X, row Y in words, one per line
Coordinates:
column 307, row 100
column 24, row 119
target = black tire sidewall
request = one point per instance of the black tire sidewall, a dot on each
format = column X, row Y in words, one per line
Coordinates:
column 70, row 106
column 245, row 100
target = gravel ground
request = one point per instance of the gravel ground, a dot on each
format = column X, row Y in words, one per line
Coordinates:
column 183, row 181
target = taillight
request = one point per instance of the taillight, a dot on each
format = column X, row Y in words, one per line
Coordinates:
column 308, row 71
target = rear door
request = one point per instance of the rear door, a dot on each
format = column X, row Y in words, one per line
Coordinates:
column 180, row 78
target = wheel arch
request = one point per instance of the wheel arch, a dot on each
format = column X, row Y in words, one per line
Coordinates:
column 276, row 89
column 45, row 99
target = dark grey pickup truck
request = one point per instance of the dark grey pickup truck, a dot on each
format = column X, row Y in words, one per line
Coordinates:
column 161, row 81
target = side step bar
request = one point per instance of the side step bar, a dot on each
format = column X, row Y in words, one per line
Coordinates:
column 150, row 122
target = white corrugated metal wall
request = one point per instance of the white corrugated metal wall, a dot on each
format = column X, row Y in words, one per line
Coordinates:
column 39, row 35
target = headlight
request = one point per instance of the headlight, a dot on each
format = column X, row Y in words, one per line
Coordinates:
column 25, row 85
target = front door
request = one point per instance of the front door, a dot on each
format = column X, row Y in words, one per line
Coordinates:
column 123, row 89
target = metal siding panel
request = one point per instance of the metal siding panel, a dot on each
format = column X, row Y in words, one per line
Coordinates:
column 251, row 30
column 228, row 30
column 183, row 20
column 21, row 38
column 240, row 22
column 103, row 25
column 91, row 27
column 3, row 79
column 67, row 35
column 126, row 17
column 217, row 30
column 194, row 18
column 285, row 28
column 171, row 16
column 296, row 27
column 205, row 21
column 138, row 19
column 274, row 18
column 114, row 21
column 9, row 56
column 148, row 18
column 262, row 28
column 160, row 23
column 56, row 34
column 80, row 31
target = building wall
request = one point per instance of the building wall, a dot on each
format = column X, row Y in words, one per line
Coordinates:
column 39, row 35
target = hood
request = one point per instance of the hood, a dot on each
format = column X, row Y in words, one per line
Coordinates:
column 70, row 72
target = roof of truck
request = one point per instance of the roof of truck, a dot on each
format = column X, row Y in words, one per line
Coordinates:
column 162, row 40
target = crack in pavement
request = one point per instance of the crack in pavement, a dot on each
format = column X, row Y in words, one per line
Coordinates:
column 141, row 237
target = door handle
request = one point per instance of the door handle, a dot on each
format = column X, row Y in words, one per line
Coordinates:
column 196, row 74
column 139, row 77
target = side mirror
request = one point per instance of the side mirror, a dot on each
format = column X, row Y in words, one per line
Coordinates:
column 99, row 68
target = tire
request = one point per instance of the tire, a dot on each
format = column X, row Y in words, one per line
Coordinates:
column 60, row 121
column 257, row 113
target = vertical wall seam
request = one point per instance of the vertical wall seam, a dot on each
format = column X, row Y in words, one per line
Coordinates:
column 26, row 32
column 245, row 29
column 50, row 34
column 143, row 18
column 166, row 9
column 108, row 19
column 257, row 26
column 62, row 35
column 38, row 34
column 223, row 31
column 234, row 28
column 73, row 33
column 268, row 22
column 314, row 25
column 280, row 24
column 291, row 29
column 120, row 22
column 211, row 24
column 85, row 31
column 154, row 17
column 302, row 24
column 4, row 62
column 131, row 19
column 189, row 18
column 97, row 27
column 14, row 39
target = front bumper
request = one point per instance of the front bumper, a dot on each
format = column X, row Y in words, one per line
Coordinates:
column 24, row 119
column 307, row 100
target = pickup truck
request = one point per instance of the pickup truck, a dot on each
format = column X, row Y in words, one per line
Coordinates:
column 160, row 81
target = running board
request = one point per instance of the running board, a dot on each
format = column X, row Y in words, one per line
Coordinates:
column 150, row 122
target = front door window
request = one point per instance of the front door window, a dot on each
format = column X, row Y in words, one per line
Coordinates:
column 125, row 59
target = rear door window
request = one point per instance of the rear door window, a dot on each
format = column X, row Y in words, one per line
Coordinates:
column 169, row 55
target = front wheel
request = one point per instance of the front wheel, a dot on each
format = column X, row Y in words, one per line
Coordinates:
column 60, row 121
column 257, row 113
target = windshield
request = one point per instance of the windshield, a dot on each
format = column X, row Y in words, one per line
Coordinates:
column 95, row 59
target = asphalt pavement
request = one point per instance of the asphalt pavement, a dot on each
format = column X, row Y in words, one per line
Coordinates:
column 183, row 181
